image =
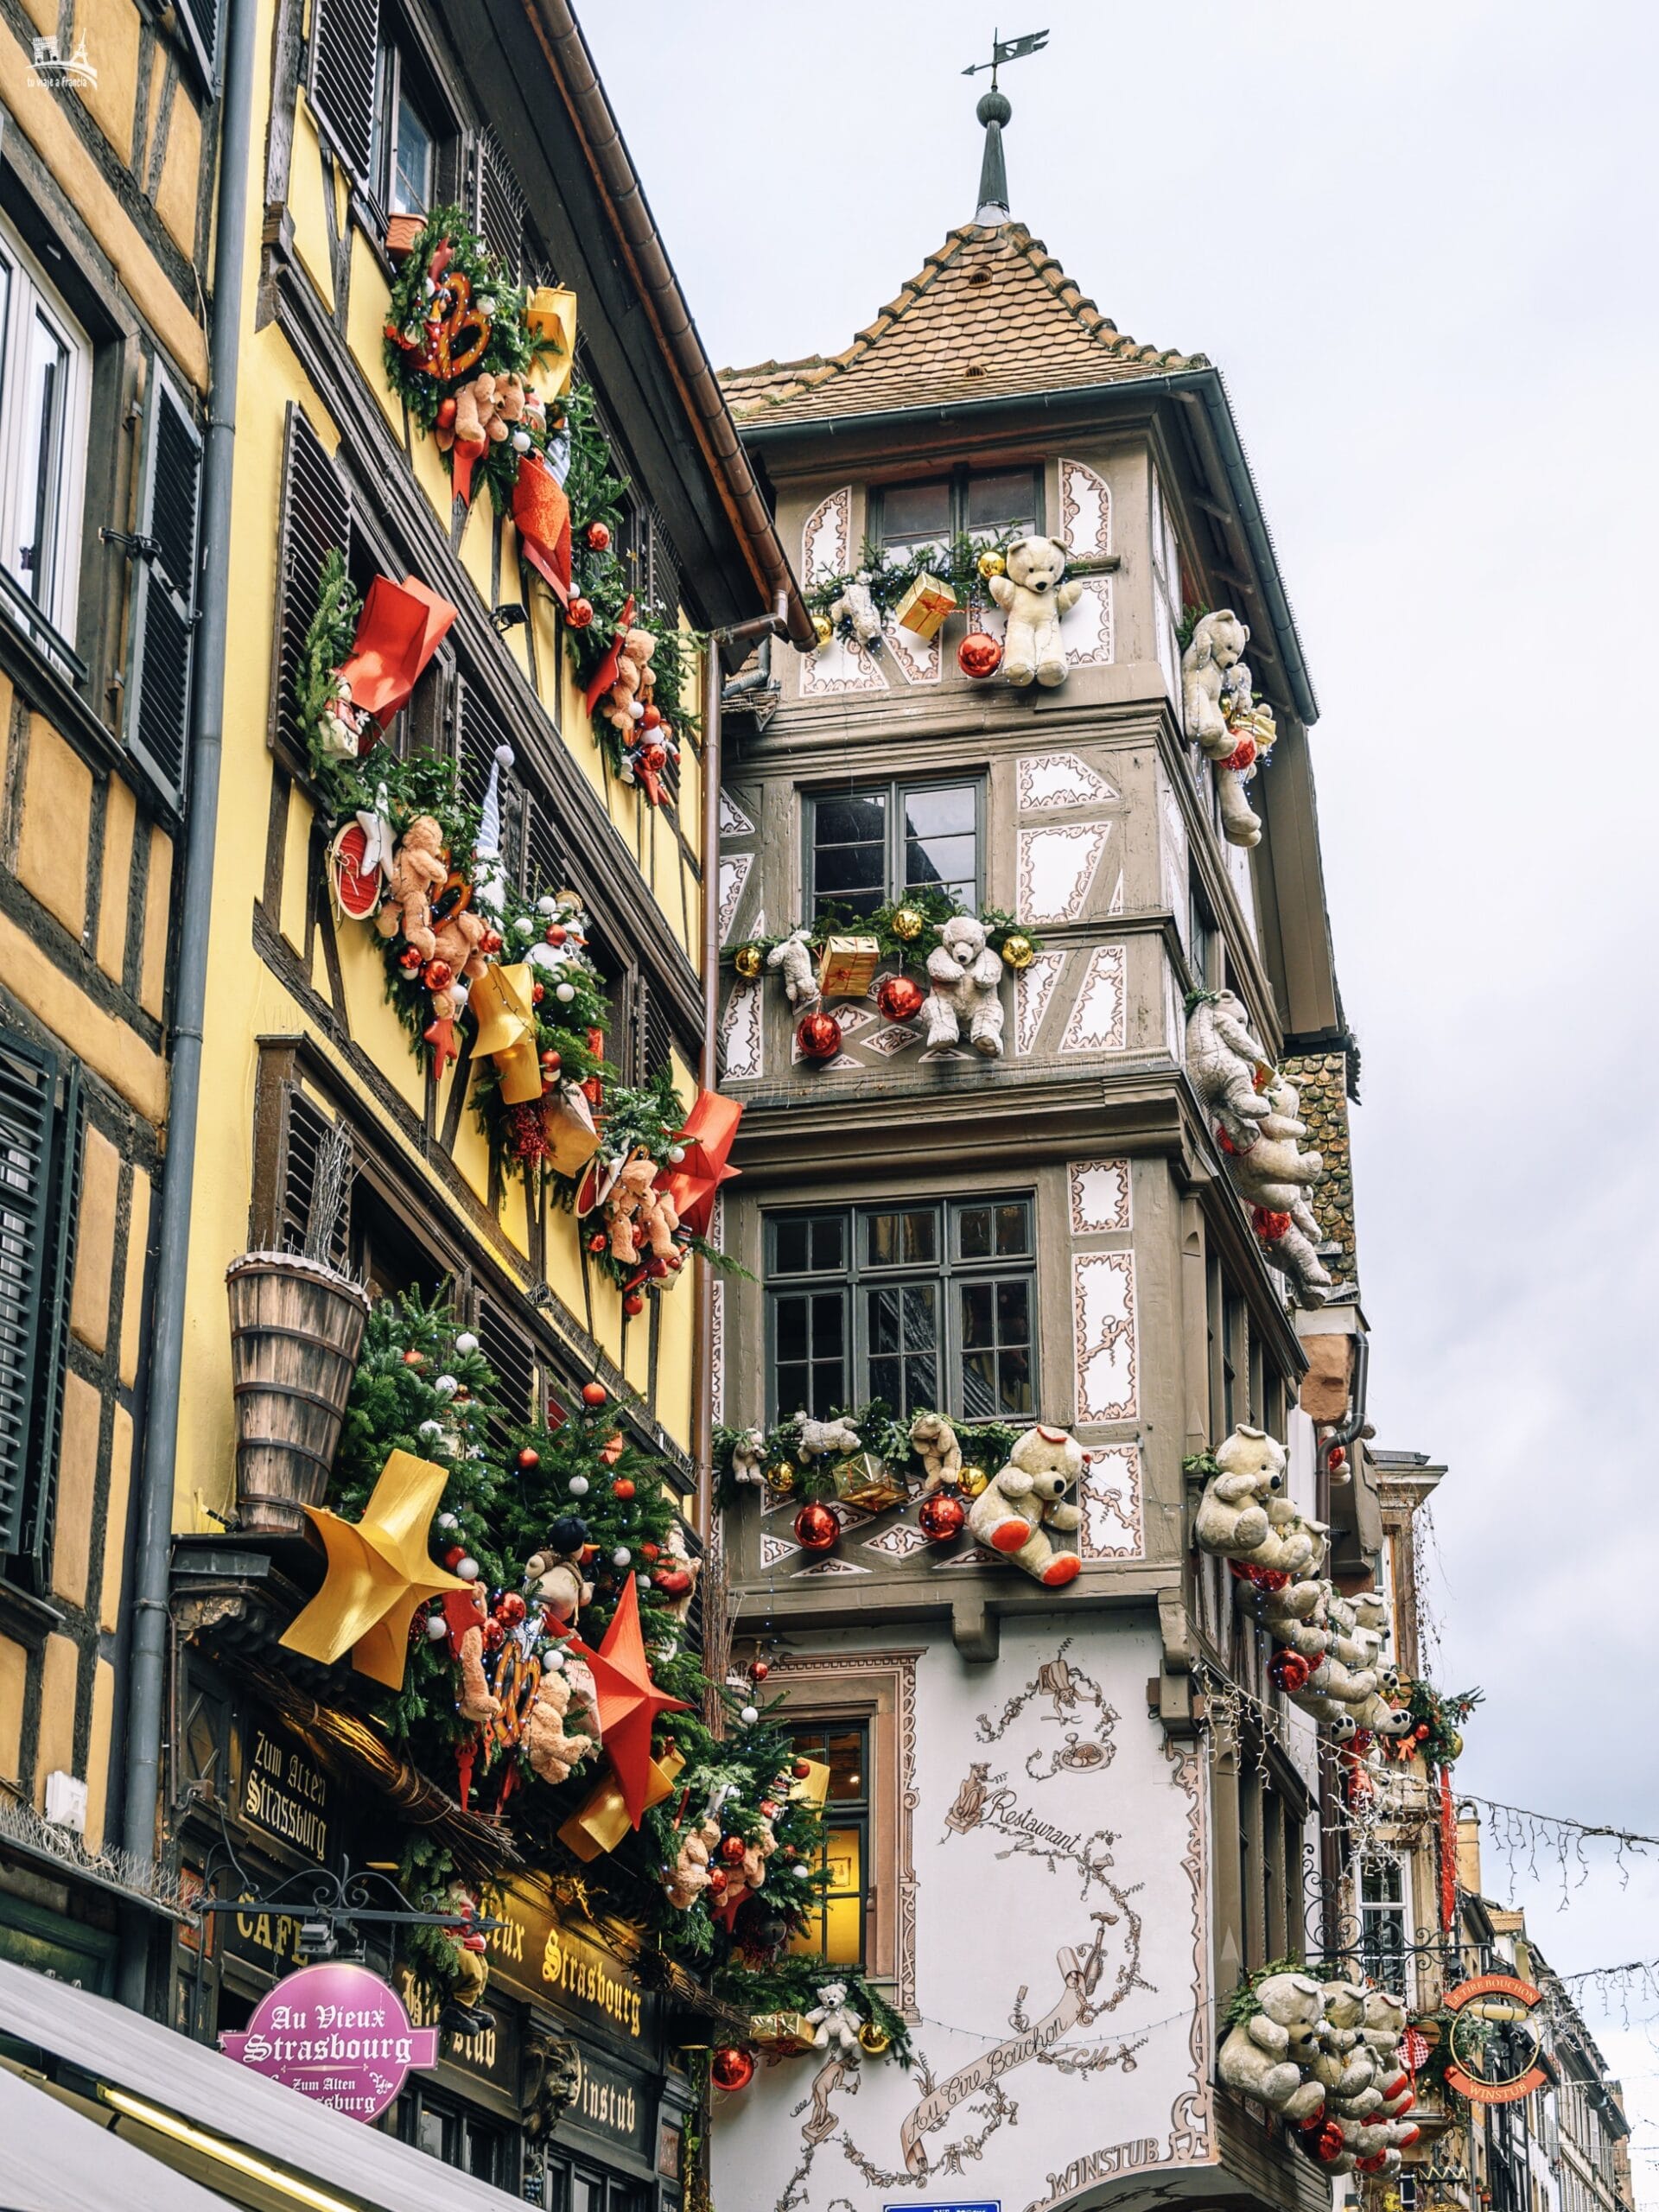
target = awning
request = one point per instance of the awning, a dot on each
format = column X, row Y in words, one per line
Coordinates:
column 56, row 2161
column 154, row 2071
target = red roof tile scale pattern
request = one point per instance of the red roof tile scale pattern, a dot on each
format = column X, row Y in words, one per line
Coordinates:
column 990, row 316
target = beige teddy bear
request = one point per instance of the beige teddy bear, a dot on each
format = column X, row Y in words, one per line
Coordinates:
column 553, row 1579
column 465, row 1612
column 419, row 869
column 639, row 1213
column 1232, row 1519
column 486, row 410
column 553, row 1754
column 1223, row 1060
column 632, row 685
column 1270, row 2055
column 1033, row 597
column 934, row 1442
column 689, row 1876
column 965, row 975
column 1217, row 647
column 1024, row 1500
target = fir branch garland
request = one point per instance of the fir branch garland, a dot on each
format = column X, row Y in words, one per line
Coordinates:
column 987, row 1445
column 934, row 907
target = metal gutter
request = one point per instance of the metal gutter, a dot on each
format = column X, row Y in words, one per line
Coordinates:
column 665, row 305
column 147, row 1607
column 1205, row 386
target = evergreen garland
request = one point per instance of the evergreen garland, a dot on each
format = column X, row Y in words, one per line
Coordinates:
column 509, row 348
column 987, row 1445
column 935, row 908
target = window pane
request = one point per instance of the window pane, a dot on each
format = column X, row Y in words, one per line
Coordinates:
column 1006, row 500
column 412, row 182
column 974, row 1232
column 829, row 1243
column 789, row 1246
column 950, row 862
column 850, row 873
column 907, row 1239
column 913, row 514
column 45, row 371
column 791, row 1330
column 1013, row 1392
column 978, row 1315
column 846, row 1778
column 854, row 821
column 1013, row 1312
column 1012, row 1230
column 939, row 810
column 903, row 1331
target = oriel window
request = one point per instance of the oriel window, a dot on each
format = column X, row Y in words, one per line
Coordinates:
column 985, row 505
column 868, row 846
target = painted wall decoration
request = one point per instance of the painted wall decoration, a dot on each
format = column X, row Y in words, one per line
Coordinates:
column 1057, row 867
column 1049, row 780
column 1099, row 1021
column 1100, row 1195
column 1103, row 1302
column 1049, row 1784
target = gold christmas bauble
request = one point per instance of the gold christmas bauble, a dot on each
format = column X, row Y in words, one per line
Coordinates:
column 780, row 1476
column 974, row 1480
column 1017, row 950
column 748, row 960
column 873, row 2039
column 991, row 564
column 824, row 629
column 908, row 923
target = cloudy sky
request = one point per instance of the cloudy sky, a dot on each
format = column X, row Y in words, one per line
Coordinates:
column 1420, row 241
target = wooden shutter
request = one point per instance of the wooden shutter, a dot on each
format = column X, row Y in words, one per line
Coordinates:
column 344, row 36
column 39, row 1155
column 162, row 648
column 478, row 732
column 304, row 1126
column 316, row 517
column 498, row 203
column 656, row 1032
column 200, row 19
column 511, row 1354
column 546, row 867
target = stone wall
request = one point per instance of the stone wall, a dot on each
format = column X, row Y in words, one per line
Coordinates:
column 1322, row 1080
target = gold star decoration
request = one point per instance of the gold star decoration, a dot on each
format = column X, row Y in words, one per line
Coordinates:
column 378, row 1573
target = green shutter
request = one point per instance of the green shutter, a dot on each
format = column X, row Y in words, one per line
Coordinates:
column 345, row 37
column 28, row 1089
column 62, row 1216
column 161, row 649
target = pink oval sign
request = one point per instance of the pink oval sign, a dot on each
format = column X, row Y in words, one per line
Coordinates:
column 339, row 2034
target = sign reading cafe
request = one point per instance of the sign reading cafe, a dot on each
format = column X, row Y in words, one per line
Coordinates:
column 339, row 2034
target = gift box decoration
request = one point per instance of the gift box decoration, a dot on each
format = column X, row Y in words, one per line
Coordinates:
column 601, row 1821
column 846, row 966
column 925, row 606
column 781, row 2031
column 572, row 1140
column 550, row 317
column 812, row 1786
column 861, row 1479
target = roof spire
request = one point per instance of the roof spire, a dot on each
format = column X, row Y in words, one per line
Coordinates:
column 994, row 112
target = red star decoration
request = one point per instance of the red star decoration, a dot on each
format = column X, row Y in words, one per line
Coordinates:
column 693, row 1185
column 441, row 1036
column 629, row 1701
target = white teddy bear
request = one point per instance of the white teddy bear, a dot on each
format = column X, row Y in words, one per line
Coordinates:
column 794, row 954
column 1222, row 1059
column 1270, row 2055
column 747, row 1454
column 856, row 609
column 1024, row 1500
column 820, row 1438
column 1294, row 1616
column 1217, row 646
column 1241, row 1516
column 1034, row 598
column 934, row 1442
column 1274, row 1173
column 965, row 975
column 831, row 2020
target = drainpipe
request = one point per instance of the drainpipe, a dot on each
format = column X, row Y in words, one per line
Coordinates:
column 148, row 1603
column 766, row 627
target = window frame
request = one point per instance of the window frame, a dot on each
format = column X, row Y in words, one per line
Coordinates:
column 396, row 61
column 1380, row 1961
column 30, row 296
column 856, row 1814
column 895, row 793
column 947, row 1271
column 957, row 480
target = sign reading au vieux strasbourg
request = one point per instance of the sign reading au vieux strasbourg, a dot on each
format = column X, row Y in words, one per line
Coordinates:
column 339, row 2034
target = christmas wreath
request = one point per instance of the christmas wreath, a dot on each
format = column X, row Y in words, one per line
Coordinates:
column 569, row 1540
column 1435, row 1736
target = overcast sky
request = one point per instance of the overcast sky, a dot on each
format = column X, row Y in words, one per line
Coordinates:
column 1421, row 242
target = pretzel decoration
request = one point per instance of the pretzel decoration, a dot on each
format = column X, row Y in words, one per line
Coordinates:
column 455, row 333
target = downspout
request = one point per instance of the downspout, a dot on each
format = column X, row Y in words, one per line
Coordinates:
column 765, row 626
column 150, row 1566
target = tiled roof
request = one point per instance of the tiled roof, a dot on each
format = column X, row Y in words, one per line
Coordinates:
column 990, row 316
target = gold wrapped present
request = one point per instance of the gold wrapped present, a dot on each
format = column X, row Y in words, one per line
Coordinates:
column 925, row 606
column 572, row 1140
column 781, row 2031
column 550, row 318
column 812, row 1788
column 504, row 1007
column 846, row 966
column 601, row 1821
column 861, row 1479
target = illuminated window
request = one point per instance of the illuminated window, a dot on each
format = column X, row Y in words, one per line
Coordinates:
column 837, row 1927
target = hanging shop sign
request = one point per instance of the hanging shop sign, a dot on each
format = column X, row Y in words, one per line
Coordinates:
column 285, row 1794
column 339, row 2034
column 1495, row 2042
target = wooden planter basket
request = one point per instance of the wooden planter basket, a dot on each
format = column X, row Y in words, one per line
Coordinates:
column 296, row 1327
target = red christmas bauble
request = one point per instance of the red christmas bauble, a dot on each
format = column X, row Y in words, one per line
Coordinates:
column 1374, row 2164
column 598, row 1241
column 979, row 655
column 1269, row 1225
column 438, row 976
column 649, row 1551
column 447, row 411
column 1335, row 1456
column 454, row 1556
column 494, row 1635
column 801, row 1769
column 579, row 614
column 410, row 960
column 529, row 1459
column 490, row 942
column 759, row 1670
column 1288, row 1670
column 511, row 1609
column 1242, row 757
column 1262, row 1578
column 732, row 1848
column 899, row 998
column 594, row 1393
column 651, row 719
column 598, row 535
column 716, row 1880
column 622, row 1487
column 1314, row 2119
column 769, row 1808
column 731, row 2068
column 816, row 1528
column 941, row 1516
column 633, row 1305
column 413, row 1358
column 1325, row 2145
column 818, row 1036
column 536, row 994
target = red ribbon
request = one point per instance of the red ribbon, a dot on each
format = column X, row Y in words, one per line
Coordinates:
column 464, row 456
column 605, row 675
column 401, row 626
column 542, row 515
column 1448, row 1853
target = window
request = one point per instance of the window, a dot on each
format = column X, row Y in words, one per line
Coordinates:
column 866, row 847
column 837, row 1924
column 984, row 504
column 403, row 150
column 1382, row 1921
column 927, row 1306
column 574, row 2186
column 455, row 2133
column 46, row 373
column 39, row 1167
column 1200, row 937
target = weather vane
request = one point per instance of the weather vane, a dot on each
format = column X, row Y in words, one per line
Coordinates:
column 1009, row 49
